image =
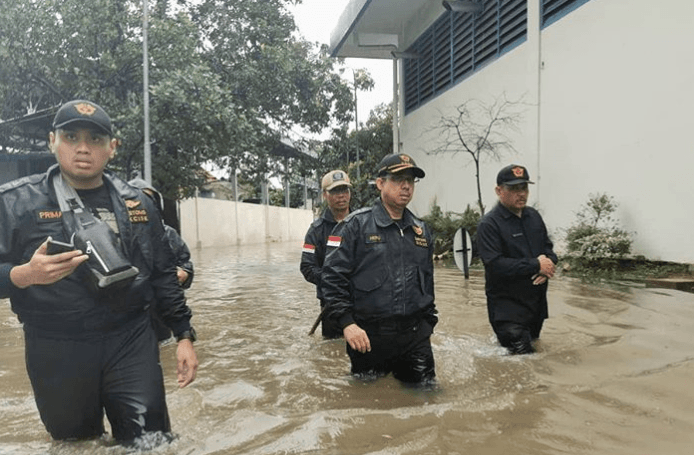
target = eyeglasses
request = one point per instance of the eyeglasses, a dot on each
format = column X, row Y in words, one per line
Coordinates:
column 339, row 190
column 398, row 179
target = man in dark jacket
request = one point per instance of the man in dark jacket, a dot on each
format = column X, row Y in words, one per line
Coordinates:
column 184, row 265
column 518, row 258
column 336, row 192
column 378, row 281
column 88, row 347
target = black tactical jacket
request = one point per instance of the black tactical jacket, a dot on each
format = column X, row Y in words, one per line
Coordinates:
column 313, row 253
column 509, row 247
column 69, row 308
column 375, row 270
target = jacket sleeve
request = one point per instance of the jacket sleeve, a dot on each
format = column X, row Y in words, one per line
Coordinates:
column 337, row 271
column 490, row 249
column 182, row 254
column 309, row 261
column 6, row 242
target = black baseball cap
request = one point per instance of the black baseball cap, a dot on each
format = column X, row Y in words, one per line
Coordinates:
column 398, row 162
column 86, row 113
column 513, row 174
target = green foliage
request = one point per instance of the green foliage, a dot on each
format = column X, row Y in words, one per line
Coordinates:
column 374, row 141
column 225, row 78
column 444, row 226
column 595, row 239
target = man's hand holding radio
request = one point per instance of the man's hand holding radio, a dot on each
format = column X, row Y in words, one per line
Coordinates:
column 44, row 268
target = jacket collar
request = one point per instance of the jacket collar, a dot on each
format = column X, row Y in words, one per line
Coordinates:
column 383, row 219
column 121, row 187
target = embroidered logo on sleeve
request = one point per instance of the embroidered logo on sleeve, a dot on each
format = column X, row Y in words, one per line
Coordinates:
column 308, row 248
column 334, row 241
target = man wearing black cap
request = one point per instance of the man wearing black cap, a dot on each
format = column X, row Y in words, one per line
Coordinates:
column 90, row 346
column 378, row 281
column 518, row 258
column 336, row 192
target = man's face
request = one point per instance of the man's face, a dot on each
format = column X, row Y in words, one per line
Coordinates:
column 513, row 197
column 397, row 189
column 338, row 197
column 82, row 154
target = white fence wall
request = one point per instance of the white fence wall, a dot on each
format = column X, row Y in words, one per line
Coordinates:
column 217, row 223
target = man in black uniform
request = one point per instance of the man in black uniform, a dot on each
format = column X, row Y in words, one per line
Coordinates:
column 91, row 348
column 184, row 265
column 518, row 258
column 336, row 192
column 378, row 281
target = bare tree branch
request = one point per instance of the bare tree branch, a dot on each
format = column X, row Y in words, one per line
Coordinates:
column 480, row 130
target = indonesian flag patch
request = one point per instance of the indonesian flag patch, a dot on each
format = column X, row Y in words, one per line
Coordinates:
column 334, row 240
column 308, row 248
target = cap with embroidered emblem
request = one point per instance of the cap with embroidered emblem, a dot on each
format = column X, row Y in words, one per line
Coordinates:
column 398, row 162
column 334, row 179
column 82, row 112
column 513, row 174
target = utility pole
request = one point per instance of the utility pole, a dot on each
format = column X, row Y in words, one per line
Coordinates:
column 145, row 89
column 356, row 121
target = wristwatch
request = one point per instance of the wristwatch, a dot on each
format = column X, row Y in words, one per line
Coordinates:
column 187, row 335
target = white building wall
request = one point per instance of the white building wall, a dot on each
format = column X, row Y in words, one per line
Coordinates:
column 615, row 95
column 209, row 222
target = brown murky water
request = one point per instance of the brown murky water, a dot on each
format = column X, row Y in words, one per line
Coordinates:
column 613, row 374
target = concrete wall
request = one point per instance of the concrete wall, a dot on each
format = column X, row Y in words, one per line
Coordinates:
column 217, row 223
column 609, row 93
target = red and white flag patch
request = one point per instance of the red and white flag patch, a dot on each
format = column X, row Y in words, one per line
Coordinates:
column 334, row 241
column 308, row 248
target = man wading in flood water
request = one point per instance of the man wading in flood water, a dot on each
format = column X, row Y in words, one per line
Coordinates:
column 336, row 192
column 378, row 281
column 518, row 258
column 89, row 344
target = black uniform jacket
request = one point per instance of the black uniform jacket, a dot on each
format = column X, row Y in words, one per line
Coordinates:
column 376, row 270
column 68, row 308
column 313, row 253
column 509, row 247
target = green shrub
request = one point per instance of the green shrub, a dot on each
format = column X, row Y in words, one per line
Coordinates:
column 444, row 226
column 595, row 239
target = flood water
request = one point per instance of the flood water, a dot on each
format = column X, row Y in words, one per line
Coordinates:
column 613, row 374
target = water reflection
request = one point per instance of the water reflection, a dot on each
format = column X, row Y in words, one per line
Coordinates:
column 612, row 374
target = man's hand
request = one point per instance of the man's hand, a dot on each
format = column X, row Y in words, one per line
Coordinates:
column 187, row 367
column 182, row 275
column 546, row 272
column 45, row 268
column 357, row 338
column 546, row 266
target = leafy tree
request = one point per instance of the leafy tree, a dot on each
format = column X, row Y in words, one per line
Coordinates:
column 227, row 78
column 375, row 140
column 480, row 130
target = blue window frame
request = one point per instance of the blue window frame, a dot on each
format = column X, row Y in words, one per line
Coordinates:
column 553, row 10
column 458, row 44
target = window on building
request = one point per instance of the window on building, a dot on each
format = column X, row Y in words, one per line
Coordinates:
column 553, row 10
column 458, row 44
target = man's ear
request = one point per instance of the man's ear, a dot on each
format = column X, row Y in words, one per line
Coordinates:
column 51, row 142
column 379, row 183
column 114, row 146
column 497, row 189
